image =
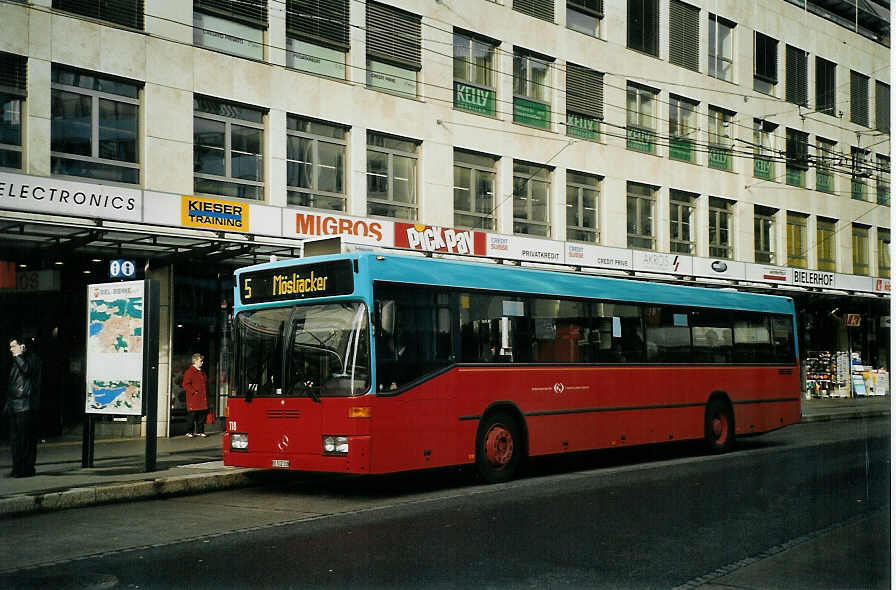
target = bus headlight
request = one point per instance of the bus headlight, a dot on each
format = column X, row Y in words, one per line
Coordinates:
column 239, row 441
column 335, row 445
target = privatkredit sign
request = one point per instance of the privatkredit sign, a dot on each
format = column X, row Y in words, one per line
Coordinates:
column 37, row 194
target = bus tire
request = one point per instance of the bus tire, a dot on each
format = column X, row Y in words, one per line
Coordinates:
column 499, row 447
column 719, row 425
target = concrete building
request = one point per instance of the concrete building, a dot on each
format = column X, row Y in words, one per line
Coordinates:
column 714, row 142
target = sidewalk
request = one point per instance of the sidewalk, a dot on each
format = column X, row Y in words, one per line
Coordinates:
column 193, row 465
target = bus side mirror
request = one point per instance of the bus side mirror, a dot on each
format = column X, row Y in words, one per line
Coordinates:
column 387, row 317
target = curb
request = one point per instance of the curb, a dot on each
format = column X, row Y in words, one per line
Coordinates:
column 124, row 491
column 852, row 415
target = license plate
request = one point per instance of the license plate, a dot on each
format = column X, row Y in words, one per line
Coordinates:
column 280, row 463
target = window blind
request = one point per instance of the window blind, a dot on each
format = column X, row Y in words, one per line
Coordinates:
column 882, row 107
column 825, row 86
column 541, row 9
column 251, row 12
column 797, row 81
column 393, row 35
column 593, row 7
column 584, row 91
column 684, row 35
column 128, row 13
column 766, row 59
column 319, row 20
column 858, row 98
column 13, row 72
column 797, row 149
column 643, row 26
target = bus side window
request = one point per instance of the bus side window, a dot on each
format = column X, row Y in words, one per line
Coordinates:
column 782, row 339
column 752, row 339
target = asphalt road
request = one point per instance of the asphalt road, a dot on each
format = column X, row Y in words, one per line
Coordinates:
column 655, row 517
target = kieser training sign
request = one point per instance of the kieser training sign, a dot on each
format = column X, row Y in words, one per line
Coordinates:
column 203, row 213
column 115, row 348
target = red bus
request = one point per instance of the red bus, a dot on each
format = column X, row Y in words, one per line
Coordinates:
column 368, row 363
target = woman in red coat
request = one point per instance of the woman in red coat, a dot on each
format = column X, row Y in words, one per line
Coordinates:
column 197, row 403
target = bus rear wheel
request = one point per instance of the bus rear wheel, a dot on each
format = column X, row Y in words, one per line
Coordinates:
column 719, row 426
column 499, row 448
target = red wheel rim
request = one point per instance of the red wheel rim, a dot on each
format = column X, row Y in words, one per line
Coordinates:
column 720, row 428
column 498, row 446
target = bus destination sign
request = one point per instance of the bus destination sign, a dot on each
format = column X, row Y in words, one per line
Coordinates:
column 297, row 282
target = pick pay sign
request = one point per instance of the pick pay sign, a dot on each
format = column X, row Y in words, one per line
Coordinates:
column 432, row 238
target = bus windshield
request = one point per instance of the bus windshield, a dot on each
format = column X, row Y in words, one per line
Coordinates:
column 303, row 351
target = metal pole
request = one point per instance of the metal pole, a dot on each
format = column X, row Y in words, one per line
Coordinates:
column 151, row 368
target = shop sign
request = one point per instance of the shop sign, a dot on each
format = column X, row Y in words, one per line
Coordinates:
column 474, row 99
column 681, row 149
column 115, row 348
column 122, row 269
column 814, row 278
column 29, row 281
column 719, row 158
column 824, row 182
column 391, row 78
column 525, row 249
column 357, row 230
column 20, row 192
column 640, row 140
column 531, row 113
column 225, row 35
column 795, row 177
column 432, row 238
column 677, row 264
column 853, row 320
column 582, row 126
column 719, row 268
column 204, row 213
column 316, row 59
column 598, row 256
column 762, row 168
column 881, row 285
column 767, row 274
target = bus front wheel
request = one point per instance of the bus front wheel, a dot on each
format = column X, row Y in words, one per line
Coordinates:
column 719, row 426
column 499, row 448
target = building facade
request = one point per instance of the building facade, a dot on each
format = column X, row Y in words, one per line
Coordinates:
column 714, row 142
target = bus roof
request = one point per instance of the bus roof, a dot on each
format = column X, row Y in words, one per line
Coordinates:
column 530, row 281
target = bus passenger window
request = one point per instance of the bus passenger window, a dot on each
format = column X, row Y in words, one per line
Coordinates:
column 668, row 335
column 752, row 340
column 712, row 336
column 617, row 334
column 782, row 339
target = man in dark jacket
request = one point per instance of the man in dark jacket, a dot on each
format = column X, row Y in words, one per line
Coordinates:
column 22, row 407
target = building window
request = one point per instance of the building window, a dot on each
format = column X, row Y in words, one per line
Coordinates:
column 882, row 107
column 796, row 240
column 94, row 126
column 391, row 176
column 682, row 129
column 584, row 102
column 860, row 249
column 825, row 234
column 315, row 164
column 474, row 190
column 719, row 138
column 13, row 73
column 128, row 13
column 764, row 153
column 541, row 9
column 474, row 74
column 796, row 84
column 825, row 159
column 797, row 157
column 883, row 252
column 531, row 89
column 764, row 234
column 721, row 48
column 681, row 217
column 641, row 118
column 227, row 149
column 643, row 26
column 860, row 172
column 531, row 196
column 585, row 16
column 317, row 37
column 684, row 35
column 640, row 203
column 393, row 49
column 883, row 180
column 825, row 86
column 765, row 64
column 231, row 26
column 858, row 98
column 582, row 197
column 720, row 228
